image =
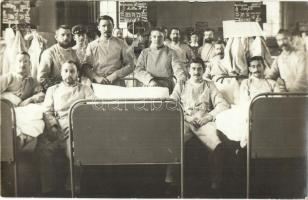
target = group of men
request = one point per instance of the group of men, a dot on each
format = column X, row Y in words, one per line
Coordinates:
column 107, row 60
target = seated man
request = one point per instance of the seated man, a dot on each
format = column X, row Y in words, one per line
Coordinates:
column 234, row 122
column 158, row 64
column 54, row 143
column 19, row 86
column 257, row 83
column 20, row 89
column 215, row 67
column 201, row 103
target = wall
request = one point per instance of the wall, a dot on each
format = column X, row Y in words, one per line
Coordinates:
column 47, row 16
column 295, row 12
column 186, row 14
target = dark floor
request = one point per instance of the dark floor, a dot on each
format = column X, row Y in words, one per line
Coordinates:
column 280, row 178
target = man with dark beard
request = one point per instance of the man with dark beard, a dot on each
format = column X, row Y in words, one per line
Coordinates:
column 206, row 52
column 182, row 50
column 290, row 67
column 215, row 67
column 49, row 70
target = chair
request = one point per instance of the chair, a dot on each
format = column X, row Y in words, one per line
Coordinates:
column 277, row 146
column 8, row 150
column 126, row 132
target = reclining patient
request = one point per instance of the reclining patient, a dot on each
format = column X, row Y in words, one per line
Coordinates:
column 53, row 144
column 20, row 89
column 201, row 103
column 18, row 86
column 234, row 122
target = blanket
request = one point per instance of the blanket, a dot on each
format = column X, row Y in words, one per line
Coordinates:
column 234, row 123
column 29, row 120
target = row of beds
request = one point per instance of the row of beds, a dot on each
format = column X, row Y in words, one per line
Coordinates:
column 151, row 133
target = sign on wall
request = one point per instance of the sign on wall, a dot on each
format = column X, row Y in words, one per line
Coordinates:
column 15, row 11
column 249, row 12
column 133, row 11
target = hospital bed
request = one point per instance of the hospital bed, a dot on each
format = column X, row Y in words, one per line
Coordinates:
column 125, row 132
column 9, row 177
column 277, row 146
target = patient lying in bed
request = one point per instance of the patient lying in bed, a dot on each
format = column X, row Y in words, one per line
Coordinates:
column 234, row 122
column 20, row 89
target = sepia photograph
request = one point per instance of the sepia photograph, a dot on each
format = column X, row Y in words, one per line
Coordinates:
column 154, row 99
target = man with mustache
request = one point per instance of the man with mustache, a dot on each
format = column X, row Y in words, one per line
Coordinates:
column 215, row 68
column 107, row 58
column 182, row 50
column 201, row 102
column 49, row 70
column 206, row 52
column 290, row 67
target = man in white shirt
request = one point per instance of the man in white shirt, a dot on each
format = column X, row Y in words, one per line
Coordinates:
column 206, row 52
column 182, row 50
column 158, row 64
column 107, row 58
column 290, row 67
column 80, row 36
column 49, row 70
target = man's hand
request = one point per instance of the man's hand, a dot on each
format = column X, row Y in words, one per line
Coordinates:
column 53, row 133
column 111, row 78
column 204, row 120
column 54, row 129
column 104, row 81
column 192, row 120
column 39, row 97
column 101, row 80
column 26, row 102
column 153, row 83
column 281, row 85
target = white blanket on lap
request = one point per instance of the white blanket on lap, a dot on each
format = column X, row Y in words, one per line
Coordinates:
column 234, row 123
column 118, row 92
column 29, row 120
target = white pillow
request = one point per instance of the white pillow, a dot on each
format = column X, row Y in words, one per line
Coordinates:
column 118, row 92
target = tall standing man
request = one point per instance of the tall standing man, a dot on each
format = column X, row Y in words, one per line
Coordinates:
column 49, row 70
column 206, row 52
column 182, row 50
column 106, row 57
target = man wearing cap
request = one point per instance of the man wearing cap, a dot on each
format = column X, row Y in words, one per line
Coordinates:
column 80, row 37
column 107, row 60
column 49, row 70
